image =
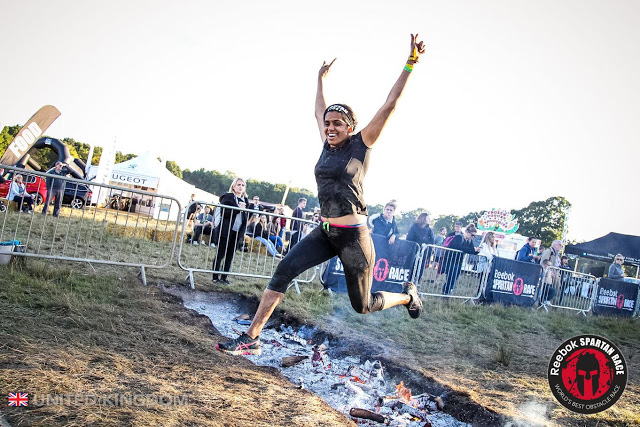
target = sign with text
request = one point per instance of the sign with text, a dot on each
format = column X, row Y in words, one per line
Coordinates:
column 513, row 282
column 393, row 266
column 498, row 220
column 615, row 298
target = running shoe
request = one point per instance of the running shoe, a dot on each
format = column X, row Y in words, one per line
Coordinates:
column 241, row 346
column 415, row 304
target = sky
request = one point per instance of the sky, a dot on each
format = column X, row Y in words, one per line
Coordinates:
column 513, row 102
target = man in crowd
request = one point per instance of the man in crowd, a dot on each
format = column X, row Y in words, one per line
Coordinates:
column 525, row 254
column 457, row 229
column 385, row 224
column 296, row 226
column 55, row 189
column 552, row 254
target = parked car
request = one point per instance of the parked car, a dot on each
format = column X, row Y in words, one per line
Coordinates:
column 36, row 186
column 76, row 195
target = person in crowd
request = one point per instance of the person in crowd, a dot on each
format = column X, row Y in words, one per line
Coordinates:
column 421, row 232
column 439, row 239
column 343, row 210
column 232, row 226
column 190, row 223
column 552, row 253
column 255, row 204
column 191, row 210
column 204, row 225
column 548, row 291
column 261, row 233
column 251, row 225
column 615, row 269
column 457, row 229
column 487, row 250
column 55, row 189
column 316, row 219
column 566, row 277
column 283, row 222
column 525, row 254
column 296, row 226
column 452, row 262
column 385, row 225
column 18, row 193
column 539, row 250
column 274, row 233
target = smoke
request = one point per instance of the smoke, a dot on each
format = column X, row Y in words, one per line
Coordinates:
column 531, row 414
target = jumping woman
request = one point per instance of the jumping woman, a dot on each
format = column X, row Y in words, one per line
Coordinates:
column 339, row 174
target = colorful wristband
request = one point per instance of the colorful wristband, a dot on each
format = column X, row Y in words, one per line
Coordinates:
column 408, row 67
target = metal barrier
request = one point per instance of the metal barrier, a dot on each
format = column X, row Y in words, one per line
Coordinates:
column 214, row 247
column 128, row 234
column 567, row 289
column 450, row 273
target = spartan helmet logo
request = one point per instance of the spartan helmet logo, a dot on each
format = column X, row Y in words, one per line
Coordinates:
column 587, row 375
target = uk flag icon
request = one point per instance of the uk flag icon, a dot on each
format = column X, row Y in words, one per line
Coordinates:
column 18, row 399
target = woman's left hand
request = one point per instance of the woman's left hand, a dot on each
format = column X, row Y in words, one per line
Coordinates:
column 417, row 48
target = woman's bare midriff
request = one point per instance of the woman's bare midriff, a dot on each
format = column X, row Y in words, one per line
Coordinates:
column 351, row 219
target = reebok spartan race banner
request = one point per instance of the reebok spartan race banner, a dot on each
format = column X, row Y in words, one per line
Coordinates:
column 29, row 134
column 394, row 266
column 615, row 298
column 587, row 374
column 513, row 282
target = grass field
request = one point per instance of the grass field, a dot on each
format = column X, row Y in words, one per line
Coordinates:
column 66, row 328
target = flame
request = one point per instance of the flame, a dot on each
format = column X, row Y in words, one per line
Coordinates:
column 357, row 379
column 403, row 392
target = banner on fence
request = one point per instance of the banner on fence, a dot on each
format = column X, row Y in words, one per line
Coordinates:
column 615, row 298
column 513, row 282
column 393, row 266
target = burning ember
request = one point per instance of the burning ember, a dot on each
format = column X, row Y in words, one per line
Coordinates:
column 403, row 392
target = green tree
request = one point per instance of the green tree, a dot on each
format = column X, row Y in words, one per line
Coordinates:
column 124, row 157
column 543, row 220
column 174, row 168
column 406, row 219
column 7, row 135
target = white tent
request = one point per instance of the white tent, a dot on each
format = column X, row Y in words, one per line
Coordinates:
column 146, row 172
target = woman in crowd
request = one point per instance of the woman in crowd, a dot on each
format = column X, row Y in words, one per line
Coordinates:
column 487, row 250
column 274, row 233
column 18, row 193
column 422, row 234
column 261, row 233
column 339, row 172
column 439, row 240
column 615, row 269
column 232, row 226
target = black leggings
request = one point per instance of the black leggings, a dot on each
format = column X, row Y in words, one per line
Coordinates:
column 355, row 249
column 226, row 250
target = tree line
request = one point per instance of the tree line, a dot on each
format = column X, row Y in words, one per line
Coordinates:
column 542, row 219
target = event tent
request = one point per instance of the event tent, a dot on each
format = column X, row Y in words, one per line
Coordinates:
column 606, row 247
column 148, row 173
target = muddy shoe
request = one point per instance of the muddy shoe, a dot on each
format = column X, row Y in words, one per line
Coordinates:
column 415, row 305
column 241, row 346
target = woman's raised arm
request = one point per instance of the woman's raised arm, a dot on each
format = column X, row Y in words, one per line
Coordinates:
column 321, row 105
column 372, row 131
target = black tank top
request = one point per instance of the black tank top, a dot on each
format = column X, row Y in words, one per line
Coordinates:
column 339, row 174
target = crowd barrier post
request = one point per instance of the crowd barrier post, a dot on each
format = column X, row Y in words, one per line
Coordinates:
column 568, row 290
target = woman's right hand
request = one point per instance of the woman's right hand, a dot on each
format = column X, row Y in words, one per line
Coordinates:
column 324, row 70
column 417, row 48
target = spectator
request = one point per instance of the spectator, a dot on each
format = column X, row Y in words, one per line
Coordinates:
column 296, row 226
column 525, row 253
column 453, row 260
column 18, row 193
column 565, row 277
column 548, row 290
column 232, row 226
column 255, row 204
column 457, row 229
column 552, row 254
column 283, row 222
column 204, row 225
column 261, row 234
column 55, row 189
column 487, row 250
column 274, row 233
column 385, row 224
column 191, row 210
column 439, row 240
column 420, row 232
column 615, row 269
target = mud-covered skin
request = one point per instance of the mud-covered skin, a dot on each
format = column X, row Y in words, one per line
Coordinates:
column 339, row 175
column 355, row 249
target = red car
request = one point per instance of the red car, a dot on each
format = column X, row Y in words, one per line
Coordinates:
column 36, row 186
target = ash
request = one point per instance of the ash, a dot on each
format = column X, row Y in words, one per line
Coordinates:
column 344, row 382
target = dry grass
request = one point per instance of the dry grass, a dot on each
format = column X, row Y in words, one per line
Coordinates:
column 65, row 333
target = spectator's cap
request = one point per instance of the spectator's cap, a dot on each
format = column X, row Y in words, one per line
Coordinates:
column 458, row 224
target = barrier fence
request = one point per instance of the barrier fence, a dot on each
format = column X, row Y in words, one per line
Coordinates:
column 130, row 227
column 450, row 273
column 233, row 241
column 118, row 230
column 567, row 289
